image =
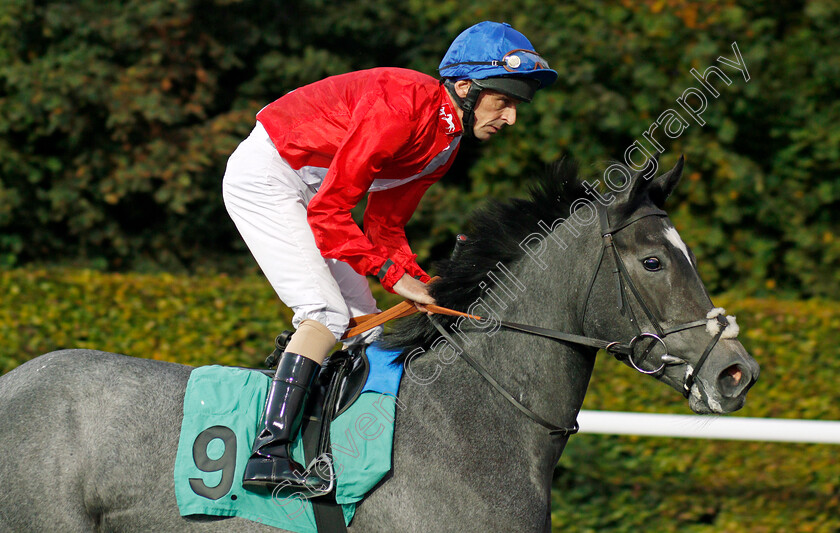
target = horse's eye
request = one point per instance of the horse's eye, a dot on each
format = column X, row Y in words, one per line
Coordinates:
column 652, row 264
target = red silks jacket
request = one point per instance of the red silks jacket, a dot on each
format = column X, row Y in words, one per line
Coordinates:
column 389, row 132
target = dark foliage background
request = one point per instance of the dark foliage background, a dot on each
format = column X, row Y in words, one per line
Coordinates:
column 116, row 119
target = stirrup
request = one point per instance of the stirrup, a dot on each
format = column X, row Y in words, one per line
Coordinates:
column 280, row 342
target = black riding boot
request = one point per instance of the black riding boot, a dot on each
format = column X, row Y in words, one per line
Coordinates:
column 271, row 463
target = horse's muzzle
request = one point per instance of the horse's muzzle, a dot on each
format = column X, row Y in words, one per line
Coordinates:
column 722, row 386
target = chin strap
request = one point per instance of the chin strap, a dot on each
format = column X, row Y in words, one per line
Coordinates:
column 466, row 104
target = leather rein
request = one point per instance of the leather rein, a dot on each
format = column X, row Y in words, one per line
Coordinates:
column 623, row 351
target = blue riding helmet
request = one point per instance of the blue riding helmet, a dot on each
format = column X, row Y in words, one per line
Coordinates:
column 494, row 56
column 491, row 49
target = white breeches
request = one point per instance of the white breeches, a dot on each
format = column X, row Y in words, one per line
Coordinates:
column 267, row 201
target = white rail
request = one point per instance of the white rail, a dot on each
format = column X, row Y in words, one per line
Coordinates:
column 709, row 427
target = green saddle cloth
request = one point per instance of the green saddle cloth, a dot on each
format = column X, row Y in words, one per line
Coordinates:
column 222, row 410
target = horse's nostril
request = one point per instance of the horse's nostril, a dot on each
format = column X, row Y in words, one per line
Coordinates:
column 729, row 380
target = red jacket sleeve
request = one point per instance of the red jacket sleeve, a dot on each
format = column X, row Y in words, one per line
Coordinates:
column 377, row 134
column 385, row 218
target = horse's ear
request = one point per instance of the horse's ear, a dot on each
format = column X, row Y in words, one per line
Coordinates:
column 641, row 179
column 662, row 187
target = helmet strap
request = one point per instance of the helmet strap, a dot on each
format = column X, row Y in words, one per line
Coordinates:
column 467, row 104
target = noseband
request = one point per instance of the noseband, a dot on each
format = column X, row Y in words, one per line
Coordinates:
column 715, row 322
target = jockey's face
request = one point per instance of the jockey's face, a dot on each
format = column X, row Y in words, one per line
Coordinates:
column 493, row 111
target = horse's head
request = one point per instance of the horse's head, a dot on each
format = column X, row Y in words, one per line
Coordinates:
column 647, row 289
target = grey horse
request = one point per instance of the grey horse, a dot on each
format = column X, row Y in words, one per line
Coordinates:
column 89, row 438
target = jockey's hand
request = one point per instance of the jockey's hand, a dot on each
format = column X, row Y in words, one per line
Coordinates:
column 414, row 290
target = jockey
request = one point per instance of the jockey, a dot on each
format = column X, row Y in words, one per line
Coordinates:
column 387, row 133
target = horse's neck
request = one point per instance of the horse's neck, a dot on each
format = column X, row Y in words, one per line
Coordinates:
column 460, row 430
column 547, row 376
column 455, row 411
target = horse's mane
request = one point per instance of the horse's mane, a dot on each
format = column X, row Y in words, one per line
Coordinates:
column 493, row 235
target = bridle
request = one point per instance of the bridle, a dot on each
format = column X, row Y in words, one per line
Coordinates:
column 624, row 351
column 623, row 280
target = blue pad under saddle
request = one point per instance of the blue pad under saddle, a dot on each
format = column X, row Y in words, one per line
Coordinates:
column 222, row 410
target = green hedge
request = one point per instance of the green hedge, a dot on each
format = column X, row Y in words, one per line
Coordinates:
column 193, row 320
column 203, row 319
column 602, row 483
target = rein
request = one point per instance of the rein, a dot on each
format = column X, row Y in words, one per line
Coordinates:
column 364, row 323
column 715, row 322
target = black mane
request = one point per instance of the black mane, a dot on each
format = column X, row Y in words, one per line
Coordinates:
column 494, row 234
